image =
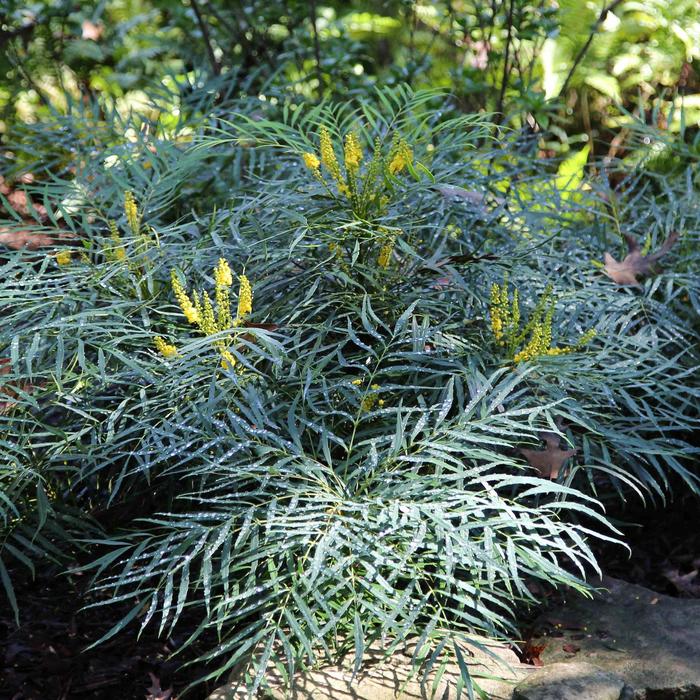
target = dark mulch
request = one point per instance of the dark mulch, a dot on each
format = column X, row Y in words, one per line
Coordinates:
column 665, row 547
column 46, row 657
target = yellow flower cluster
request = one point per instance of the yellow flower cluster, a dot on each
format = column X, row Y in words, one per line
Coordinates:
column 400, row 156
column 165, row 349
column 312, row 162
column 385, row 252
column 188, row 308
column 328, row 157
column 370, row 400
column 387, row 248
column 63, row 257
column 200, row 311
column 505, row 314
column 365, row 188
column 508, row 331
column 245, row 300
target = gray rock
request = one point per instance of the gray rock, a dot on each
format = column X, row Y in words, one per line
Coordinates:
column 649, row 639
column 495, row 671
column 570, row 681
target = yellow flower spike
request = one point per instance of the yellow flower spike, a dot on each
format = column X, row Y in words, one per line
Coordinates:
column 385, row 252
column 586, row 338
column 222, row 273
column 245, row 300
column 132, row 213
column 546, row 337
column 223, row 279
column 165, row 349
column 328, row 157
column 495, row 311
column 63, row 257
column 312, row 162
column 515, row 312
column 191, row 313
column 208, row 323
column 353, row 154
column 228, row 361
column 118, row 252
column 401, row 158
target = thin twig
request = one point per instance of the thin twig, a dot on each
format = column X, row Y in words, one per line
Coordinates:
column 506, row 59
column 317, row 48
column 216, row 68
column 584, row 49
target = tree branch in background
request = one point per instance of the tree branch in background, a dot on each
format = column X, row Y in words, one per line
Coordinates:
column 506, row 59
column 317, row 47
column 584, row 49
column 216, row 68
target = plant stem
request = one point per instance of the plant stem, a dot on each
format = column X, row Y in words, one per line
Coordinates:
column 584, row 49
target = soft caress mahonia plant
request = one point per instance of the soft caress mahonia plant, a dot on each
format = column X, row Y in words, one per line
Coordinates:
column 365, row 479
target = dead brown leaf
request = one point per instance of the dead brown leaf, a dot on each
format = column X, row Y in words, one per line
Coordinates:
column 548, row 462
column 155, row 692
column 20, row 201
column 531, row 653
column 20, row 238
column 9, row 392
column 635, row 264
column 687, row 585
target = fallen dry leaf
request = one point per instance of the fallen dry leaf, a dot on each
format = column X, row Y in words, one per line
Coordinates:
column 687, row 585
column 155, row 692
column 9, row 391
column 531, row 653
column 635, row 263
column 548, row 462
column 20, row 201
column 20, row 238
column 570, row 648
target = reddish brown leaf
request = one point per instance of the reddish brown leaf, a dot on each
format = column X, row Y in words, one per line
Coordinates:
column 531, row 653
column 635, row 264
column 548, row 462
column 570, row 648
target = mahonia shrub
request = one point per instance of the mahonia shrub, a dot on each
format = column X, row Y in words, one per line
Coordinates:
column 312, row 414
